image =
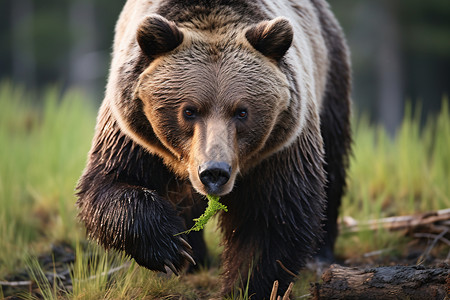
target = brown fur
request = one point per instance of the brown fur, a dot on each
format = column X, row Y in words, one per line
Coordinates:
column 157, row 36
column 262, row 87
column 272, row 38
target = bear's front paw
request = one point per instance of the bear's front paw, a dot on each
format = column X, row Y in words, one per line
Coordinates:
column 155, row 242
column 162, row 253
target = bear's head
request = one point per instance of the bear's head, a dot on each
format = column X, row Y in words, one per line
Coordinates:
column 213, row 97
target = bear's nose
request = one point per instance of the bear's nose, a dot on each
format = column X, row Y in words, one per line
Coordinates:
column 214, row 175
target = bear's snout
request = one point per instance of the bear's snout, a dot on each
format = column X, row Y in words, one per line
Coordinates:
column 214, row 175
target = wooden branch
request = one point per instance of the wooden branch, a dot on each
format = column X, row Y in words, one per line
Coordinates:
column 399, row 282
column 109, row 273
column 274, row 294
column 16, row 283
column 397, row 223
column 436, row 237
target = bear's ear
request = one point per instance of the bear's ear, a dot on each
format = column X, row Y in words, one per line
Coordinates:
column 156, row 35
column 271, row 38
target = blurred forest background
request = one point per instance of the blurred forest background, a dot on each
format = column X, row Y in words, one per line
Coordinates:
column 400, row 49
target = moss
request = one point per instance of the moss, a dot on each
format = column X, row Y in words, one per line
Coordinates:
column 214, row 206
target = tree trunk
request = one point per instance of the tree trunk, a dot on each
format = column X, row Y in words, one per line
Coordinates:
column 86, row 61
column 389, row 68
column 399, row 282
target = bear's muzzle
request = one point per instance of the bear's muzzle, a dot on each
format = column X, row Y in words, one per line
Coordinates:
column 214, row 175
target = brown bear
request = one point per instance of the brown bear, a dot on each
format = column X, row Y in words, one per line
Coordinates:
column 242, row 99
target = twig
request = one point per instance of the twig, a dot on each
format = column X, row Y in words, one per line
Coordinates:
column 16, row 283
column 110, row 272
column 286, row 269
column 433, row 236
column 288, row 291
column 376, row 252
column 438, row 237
column 60, row 276
column 273, row 295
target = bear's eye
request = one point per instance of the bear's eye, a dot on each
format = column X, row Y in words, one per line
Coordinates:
column 242, row 114
column 189, row 113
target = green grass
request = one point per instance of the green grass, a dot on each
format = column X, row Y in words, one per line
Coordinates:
column 92, row 275
column 400, row 175
column 43, row 150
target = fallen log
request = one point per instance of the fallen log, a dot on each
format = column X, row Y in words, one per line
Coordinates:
column 398, row 282
column 349, row 224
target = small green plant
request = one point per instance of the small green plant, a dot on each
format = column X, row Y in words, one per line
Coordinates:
column 214, row 206
column 49, row 290
column 241, row 292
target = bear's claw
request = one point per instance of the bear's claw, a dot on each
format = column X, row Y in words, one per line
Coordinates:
column 186, row 244
column 188, row 257
column 171, row 267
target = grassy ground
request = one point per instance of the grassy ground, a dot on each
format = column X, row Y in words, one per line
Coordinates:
column 43, row 151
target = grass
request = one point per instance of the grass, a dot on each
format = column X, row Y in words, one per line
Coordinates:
column 400, row 175
column 43, row 151
column 92, row 276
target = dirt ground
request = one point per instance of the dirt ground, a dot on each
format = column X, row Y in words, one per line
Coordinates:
column 426, row 247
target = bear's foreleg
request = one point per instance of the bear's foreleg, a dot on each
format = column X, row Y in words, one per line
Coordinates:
column 120, row 204
column 274, row 219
